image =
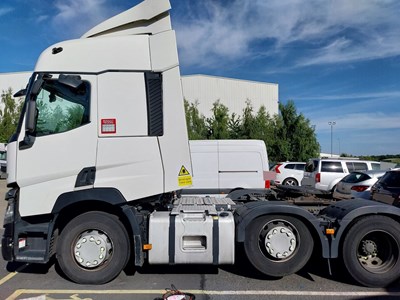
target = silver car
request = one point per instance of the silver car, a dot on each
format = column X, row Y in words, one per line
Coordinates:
column 356, row 185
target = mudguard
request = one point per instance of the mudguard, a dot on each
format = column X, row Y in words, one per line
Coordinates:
column 249, row 211
column 343, row 213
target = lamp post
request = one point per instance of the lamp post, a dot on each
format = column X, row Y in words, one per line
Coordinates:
column 332, row 123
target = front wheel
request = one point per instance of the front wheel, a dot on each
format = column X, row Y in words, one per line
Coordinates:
column 93, row 248
column 371, row 251
column 278, row 245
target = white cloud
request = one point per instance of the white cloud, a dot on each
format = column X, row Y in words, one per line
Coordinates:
column 327, row 32
column 5, row 10
column 78, row 16
column 355, row 96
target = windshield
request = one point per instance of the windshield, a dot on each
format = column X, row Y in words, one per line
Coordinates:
column 60, row 107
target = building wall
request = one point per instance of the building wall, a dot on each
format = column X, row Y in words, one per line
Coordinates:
column 233, row 93
column 204, row 89
column 16, row 81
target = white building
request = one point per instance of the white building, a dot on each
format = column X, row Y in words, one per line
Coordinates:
column 203, row 89
column 16, row 81
column 233, row 93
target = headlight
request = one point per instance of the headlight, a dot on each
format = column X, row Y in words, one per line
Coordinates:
column 9, row 215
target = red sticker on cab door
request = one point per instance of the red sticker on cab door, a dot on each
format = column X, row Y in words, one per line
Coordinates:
column 108, row 126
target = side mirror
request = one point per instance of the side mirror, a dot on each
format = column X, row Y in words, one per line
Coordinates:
column 31, row 114
column 20, row 93
column 36, row 86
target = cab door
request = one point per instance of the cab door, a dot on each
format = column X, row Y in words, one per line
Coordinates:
column 61, row 144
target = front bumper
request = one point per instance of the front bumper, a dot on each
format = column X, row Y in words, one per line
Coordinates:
column 25, row 239
column 7, row 241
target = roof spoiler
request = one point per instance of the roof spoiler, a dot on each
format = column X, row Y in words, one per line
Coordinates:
column 148, row 17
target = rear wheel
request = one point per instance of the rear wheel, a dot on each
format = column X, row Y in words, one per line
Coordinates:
column 93, row 248
column 278, row 245
column 371, row 251
column 290, row 181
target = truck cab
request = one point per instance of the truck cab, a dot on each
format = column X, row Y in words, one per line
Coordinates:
column 103, row 124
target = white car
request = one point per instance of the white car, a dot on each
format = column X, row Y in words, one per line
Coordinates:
column 324, row 173
column 289, row 173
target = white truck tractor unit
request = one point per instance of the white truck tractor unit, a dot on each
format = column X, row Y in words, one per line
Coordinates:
column 101, row 152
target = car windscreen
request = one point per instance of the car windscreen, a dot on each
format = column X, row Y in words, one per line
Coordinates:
column 355, row 177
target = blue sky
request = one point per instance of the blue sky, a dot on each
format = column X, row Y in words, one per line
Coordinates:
column 337, row 60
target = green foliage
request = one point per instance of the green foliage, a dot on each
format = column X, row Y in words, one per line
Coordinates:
column 9, row 115
column 217, row 124
column 234, row 127
column 288, row 136
column 299, row 142
column 195, row 122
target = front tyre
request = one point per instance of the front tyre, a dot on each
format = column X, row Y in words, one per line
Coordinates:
column 371, row 251
column 278, row 245
column 93, row 248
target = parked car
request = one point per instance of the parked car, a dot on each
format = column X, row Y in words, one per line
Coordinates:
column 387, row 188
column 324, row 173
column 357, row 185
column 289, row 173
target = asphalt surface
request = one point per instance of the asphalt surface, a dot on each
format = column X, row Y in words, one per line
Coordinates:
column 241, row 281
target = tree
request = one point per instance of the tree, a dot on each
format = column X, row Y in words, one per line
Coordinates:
column 195, row 122
column 9, row 115
column 234, row 126
column 288, row 135
column 217, row 124
column 248, row 122
column 295, row 138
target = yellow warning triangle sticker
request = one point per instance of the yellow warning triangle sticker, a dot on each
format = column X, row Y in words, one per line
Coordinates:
column 183, row 172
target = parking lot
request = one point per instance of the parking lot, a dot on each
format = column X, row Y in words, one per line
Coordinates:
column 40, row 282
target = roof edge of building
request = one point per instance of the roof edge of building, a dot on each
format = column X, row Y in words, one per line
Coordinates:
column 229, row 78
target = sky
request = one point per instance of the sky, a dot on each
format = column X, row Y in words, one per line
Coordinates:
column 339, row 61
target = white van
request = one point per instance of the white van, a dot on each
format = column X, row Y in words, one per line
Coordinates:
column 324, row 173
column 3, row 160
column 219, row 166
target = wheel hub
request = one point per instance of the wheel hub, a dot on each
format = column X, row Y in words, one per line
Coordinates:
column 92, row 249
column 370, row 257
column 280, row 242
column 369, row 247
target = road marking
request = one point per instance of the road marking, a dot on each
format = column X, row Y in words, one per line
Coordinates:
column 11, row 275
column 20, row 292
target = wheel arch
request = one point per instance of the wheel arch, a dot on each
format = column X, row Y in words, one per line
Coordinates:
column 108, row 200
column 333, row 183
column 252, row 211
column 347, row 212
column 290, row 178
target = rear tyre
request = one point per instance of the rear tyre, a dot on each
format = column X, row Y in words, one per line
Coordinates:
column 371, row 251
column 278, row 245
column 93, row 248
column 290, row 181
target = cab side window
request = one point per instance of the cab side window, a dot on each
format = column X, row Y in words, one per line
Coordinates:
column 61, row 108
